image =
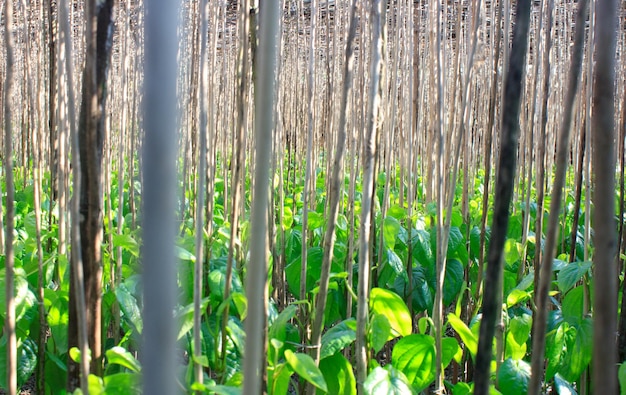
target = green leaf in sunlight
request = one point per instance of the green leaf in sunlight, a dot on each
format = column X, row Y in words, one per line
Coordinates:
column 517, row 335
column 514, row 376
column 127, row 242
column 185, row 317
column 58, row 318
column 512, row 251
column 397, row 212
column 450, row 350
column 314, row 259
column 129, row 307
column 555, row 349
column 393, row 307
column 421, row 247
column 454, row 278
column 338, row 337
column 183, row 254
column 287, row 218
column 379, row 331
column 315, row 220
column 467, row 336
column 391, row 228
column 572, row 305
column 216, row 389
column 279, row 377
column 122, row 383
column 570, row 274
column 527, row 281
column 241, row 303
column 120, row 356
column 387, row 380
column 305, row 366
column 414, row 355
column 621, row 375
column 455, row 241
column 339, row 375
column 278, row 329
column 395, row 262
column 516, row 296
column 579, row 346
column 563, row 386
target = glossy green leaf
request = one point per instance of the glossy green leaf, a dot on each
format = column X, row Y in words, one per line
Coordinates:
column 305, row 367
column 313, row 274
column 388, row 381
column 278, row 328
column 517, row 334
column 338, row 337
column 391, row 228
column 279, row 377
column 450, row 350
column 120, row 356
column 287, row 217
column 96, row 385
column 621, row 376
column 422, row 251
column 414, row 356
column 129, row 307
column 379, row 331
column 122, row 383
column 217, row 389
column 555, row 349
column 572, row 305
column 391, row 306
column 126, row 242
column 571, row 274
column 26, row 360
column 563, row 386
column 516, row 296
column 512, row 251
column 467, row 336
column 58, row 318
column 514, row 376
column 453, row 280
column 579, row 350
column 455, row 241
column 395, row 262
column 339, row 375
column 315, row 220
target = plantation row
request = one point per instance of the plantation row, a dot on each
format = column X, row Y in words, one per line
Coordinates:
column 400, row 308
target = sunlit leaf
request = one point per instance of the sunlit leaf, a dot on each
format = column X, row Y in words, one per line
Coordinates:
column 514, row 376
column 339, row 375
column 305, row 366
column 414, row 356
column 393, row 307
column 120, row 356
column 387, row 381
column 380, row 331
column 571, row 274
column 338, row 337
column 467, row 336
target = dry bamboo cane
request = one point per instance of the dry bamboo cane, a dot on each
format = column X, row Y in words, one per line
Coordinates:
column 256, row 281
column 492, row 302
column 370, row 148
column 333, row 212
column 200, row 194
column 545, row 278
column 77, row 264
column 238, row 173
column 11, row 348
column 605, row 238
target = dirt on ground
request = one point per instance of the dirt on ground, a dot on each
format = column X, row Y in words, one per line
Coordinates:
column 29, row 388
